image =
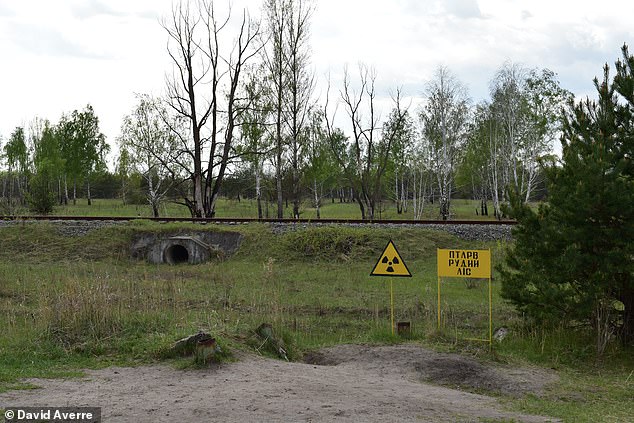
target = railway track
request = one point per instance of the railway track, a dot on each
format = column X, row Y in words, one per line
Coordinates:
column 250, row 220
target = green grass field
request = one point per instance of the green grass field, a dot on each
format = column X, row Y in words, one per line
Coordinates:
column 461, row 210
column 68, row 303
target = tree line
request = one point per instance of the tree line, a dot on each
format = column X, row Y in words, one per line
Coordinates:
column 239, row 111
column 45, row 163
column 244, row 102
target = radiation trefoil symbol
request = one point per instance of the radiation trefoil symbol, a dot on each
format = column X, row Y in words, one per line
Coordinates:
column 390, row 263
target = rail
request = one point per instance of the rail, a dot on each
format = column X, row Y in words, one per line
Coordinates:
column 266, row 220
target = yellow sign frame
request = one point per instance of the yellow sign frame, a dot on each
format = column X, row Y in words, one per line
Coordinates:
column 469, row 269
column 464, row 263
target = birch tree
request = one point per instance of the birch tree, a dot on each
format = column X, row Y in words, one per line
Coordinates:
column 444, row 122
column 83, row 148
column 321, row 168
column 145, row 140
column 255, row 145
column 525, row 112
column 421, row 178
column 400, row 127
column 47, row 165
column 276, row 12
column 300, row 89
column 287, row 58
column 17, row 158
column 544, row 99
column 478, row 160
column 508, row 107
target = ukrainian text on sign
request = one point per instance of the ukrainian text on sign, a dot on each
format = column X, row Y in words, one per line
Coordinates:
column 464, row 263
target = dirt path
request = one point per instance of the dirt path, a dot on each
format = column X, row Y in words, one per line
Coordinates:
column 343, row 383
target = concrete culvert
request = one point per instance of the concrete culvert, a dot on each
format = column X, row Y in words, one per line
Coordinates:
column 176, row 254
column 191, row 248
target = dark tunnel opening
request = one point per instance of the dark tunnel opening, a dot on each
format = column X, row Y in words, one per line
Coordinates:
column 176, row 254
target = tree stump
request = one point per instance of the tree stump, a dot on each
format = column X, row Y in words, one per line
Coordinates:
column 265, row 333
column 202, row 344
column 205, row 350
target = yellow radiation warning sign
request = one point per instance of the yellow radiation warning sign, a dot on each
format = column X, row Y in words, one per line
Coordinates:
column 464, row 263
column 390, row 263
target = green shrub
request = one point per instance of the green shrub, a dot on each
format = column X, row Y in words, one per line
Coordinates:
column 41, row 198
column 326, row 243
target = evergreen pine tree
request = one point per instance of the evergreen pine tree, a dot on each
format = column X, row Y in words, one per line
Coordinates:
column 573, row 259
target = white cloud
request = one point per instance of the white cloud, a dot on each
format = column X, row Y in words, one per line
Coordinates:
column 91, row 8
column 5, row 10
column 463, row 8
column 42, row 41
column 60, row 55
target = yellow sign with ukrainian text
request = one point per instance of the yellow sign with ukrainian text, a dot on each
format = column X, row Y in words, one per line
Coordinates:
column 464, row 263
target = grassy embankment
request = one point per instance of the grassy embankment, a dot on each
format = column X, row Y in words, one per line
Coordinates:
column 68, row 303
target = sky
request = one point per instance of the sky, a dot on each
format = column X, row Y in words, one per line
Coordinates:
column 59, row 55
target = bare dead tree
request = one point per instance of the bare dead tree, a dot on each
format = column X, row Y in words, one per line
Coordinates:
column 352, row 102
column 183, row 90
column 212, row 53
column 203, row 90
column 236, row 106
column 342, row 153
column 369, row 152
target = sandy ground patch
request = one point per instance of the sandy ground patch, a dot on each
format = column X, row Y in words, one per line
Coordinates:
column 352, row 383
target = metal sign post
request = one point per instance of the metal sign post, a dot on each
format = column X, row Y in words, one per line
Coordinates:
column 466, row 264
column 392, row 265
column 392, row 305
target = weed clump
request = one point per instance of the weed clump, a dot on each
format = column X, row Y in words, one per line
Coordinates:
column 84, row 315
